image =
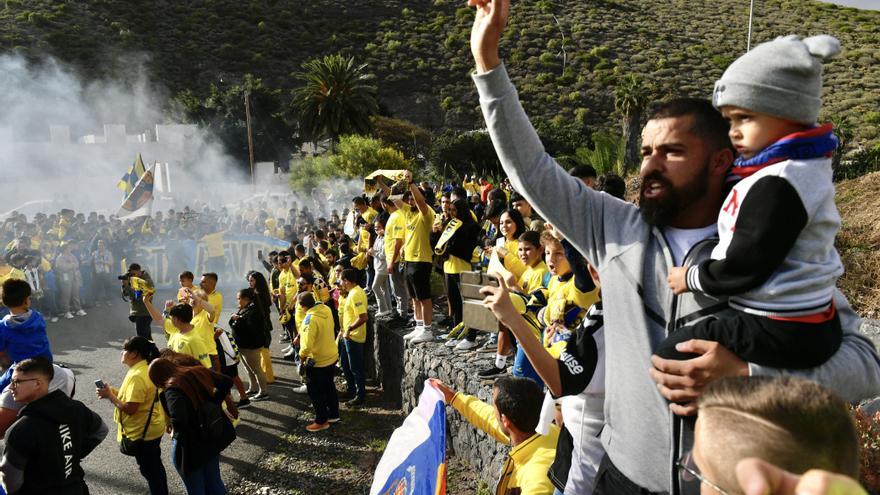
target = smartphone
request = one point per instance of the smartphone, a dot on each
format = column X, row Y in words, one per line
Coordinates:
column 99, row 384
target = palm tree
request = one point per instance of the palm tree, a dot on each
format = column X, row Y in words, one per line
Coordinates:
column 630, row 99
column 337, row 97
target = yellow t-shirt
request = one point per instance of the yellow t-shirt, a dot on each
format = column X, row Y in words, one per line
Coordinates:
column 512, row 261
column 287, row 285
column 533, row 278
column 455, row 265
column 10, row 273
column 395, row 228
column 170, row 329
column 353, row 307
column 137, row 387
column 204, row 328
column 191, row 344
column 215, row 299
column 369, row 215
column 417, row 242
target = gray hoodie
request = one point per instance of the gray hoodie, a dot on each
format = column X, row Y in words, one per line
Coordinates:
column 641, row 436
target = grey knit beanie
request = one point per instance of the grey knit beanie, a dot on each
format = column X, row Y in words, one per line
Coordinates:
column 782, row 78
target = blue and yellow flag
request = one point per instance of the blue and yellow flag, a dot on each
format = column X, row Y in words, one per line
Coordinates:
column 139, row 201
column 135, row 172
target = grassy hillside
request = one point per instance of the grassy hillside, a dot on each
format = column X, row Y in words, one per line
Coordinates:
column 859, row 242
column 418, row 48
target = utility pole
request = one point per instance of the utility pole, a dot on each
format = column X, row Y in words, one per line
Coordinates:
column 250, row 135
column 751, row 11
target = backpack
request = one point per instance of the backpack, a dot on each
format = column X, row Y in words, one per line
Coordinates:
column 215, row 428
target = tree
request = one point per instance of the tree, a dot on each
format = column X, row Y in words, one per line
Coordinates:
column 337, row 97
column 308, row 174
column 465, row 153
column 605, row 155
column 409, row 138
column 630, row 99
column 356, row 156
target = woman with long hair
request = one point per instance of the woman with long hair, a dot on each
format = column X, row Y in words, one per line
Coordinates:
column 248, row 326
column 187, row 391
column 258, row 283
column 140, row 419
column 457, row 242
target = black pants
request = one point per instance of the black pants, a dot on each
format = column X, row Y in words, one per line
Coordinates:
column 322, row 391
column 149, row 460
column 764, row 341
column 142, row 325
column 610, row 481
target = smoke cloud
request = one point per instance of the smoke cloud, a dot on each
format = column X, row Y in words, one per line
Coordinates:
column 62, row 144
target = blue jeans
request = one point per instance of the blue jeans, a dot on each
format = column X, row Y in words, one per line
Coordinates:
column 522, row 367
column 203, row 481
column 351, row 354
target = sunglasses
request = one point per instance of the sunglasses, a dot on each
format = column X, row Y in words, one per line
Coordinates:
column 688, row 472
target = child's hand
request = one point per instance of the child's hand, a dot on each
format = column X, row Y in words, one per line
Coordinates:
column 677, row 279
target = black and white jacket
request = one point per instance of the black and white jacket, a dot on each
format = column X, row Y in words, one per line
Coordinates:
column 776, row 253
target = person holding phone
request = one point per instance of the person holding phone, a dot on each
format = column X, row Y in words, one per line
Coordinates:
column 140, row 418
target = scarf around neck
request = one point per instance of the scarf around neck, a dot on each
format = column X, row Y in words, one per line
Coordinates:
column 817, row 142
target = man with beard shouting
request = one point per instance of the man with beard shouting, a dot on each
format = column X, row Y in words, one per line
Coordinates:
column 686, row 154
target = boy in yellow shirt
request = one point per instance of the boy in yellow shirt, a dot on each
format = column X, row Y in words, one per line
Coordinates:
column 353, row 313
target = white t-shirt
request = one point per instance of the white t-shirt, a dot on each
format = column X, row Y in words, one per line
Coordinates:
column 682, row 240
column 63, row 380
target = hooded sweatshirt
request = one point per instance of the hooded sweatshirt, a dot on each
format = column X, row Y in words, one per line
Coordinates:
column 641, row 436
column 24, row 336
column 45, row 446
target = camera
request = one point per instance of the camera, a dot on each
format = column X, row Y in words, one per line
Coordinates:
column 124, row 277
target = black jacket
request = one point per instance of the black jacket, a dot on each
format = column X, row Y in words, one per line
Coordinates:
column 464, row 241
column 38, row 445
column 191, row 453
column 249, row 329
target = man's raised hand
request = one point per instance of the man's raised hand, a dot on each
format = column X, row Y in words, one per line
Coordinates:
column 486, row 34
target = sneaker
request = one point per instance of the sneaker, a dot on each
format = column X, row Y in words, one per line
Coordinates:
column 452, row 343
column 333, row 420
column 315, row 427
column 284, row 338
column 243, row 404
column 68, row 315
column 465, row 345
column 424, row 336
column 302, row 389
column 287, row 349
column 412, row 335
column 383, row 314
column 491, row 344
column 491, row 371
column 260, row 396
column 54, row 319
column 356, row 402
column 81, row 313
column 250, row 392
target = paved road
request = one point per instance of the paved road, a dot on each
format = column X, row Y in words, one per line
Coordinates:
column 91, row 345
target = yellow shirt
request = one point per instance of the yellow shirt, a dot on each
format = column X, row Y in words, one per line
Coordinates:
column 215, row 299
column 533, row 278
column 369, row 215
column 316, row 337
column 170, row 329
column 137, row 387
column 353, row 307
column 204, row 328
column 190, row 344
column 454, row 265
column 10, row 273
column 417, row 242
column 526, row 466
column 287, row 285
column 395, row 228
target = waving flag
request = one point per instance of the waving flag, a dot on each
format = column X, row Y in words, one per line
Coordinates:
column 414, row 460
column 130, row 179
column 139, row 201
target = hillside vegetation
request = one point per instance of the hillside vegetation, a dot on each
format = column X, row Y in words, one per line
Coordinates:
column 859, row 242
column 565, row 56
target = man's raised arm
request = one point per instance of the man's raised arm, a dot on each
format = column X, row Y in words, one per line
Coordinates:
column 561, row 199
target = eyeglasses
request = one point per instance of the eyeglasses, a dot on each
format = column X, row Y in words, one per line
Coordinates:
column 688, row 471
column 16, row 383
